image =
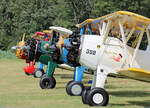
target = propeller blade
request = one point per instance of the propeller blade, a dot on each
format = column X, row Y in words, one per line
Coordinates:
column 60, row 42
column 23, row 37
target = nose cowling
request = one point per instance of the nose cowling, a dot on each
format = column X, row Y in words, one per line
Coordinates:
column 72, row 46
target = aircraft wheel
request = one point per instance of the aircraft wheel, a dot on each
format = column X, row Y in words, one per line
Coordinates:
column 97, row 97
column 74, row 88
column 47, row 82
column 38, row 73
column 84, row 95
column 67, row 90
column 44, row 75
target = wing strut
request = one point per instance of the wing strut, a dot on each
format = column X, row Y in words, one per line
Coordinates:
column 103, row 28
column 105, row 35
column 138, row 45
column 100, row 29
column 148, row 36
column 124, row 43
column 107, row 29
column 130, row 34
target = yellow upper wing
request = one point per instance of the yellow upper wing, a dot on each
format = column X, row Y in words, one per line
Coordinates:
column 128, row 19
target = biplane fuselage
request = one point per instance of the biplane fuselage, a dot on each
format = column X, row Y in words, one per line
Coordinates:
column 110, row 54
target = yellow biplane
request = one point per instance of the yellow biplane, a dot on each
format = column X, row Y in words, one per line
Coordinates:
column 113, row 44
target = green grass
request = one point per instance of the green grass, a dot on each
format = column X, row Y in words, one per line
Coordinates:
column 20, row 91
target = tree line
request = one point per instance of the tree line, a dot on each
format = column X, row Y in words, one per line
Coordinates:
column 28, row 16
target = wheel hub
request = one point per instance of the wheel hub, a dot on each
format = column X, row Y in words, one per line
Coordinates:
column 97, row 98
column 76, row 89
column 46, row 82
column 38, row 73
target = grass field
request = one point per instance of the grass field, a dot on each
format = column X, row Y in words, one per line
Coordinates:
column 20, row 91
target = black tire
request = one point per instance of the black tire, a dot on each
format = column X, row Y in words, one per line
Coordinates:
column 38, row 73
column 74, row 88
column 84, row 95
column 97, row 97
column 44, row 75
column 27, row 73
column 67, row 90
column 47, row 82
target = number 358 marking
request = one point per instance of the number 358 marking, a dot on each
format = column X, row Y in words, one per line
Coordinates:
column 91, row 52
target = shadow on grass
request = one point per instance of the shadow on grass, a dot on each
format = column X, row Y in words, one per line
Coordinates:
column 130, row 93
column 145, row 103
column 64, row 87
column 110, row 87
column 119, row 105
column 68, row 76
column 62, row 82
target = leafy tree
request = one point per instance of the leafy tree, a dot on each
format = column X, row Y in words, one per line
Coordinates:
column 28, row 16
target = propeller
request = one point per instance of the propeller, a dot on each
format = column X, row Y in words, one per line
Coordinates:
column 64, row 33
column 60, row 42
column 57, row 40
column 20, row 46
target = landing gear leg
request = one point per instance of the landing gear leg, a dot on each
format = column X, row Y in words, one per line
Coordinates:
column 97, row 96
column 75, row 87
column 48, row 81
